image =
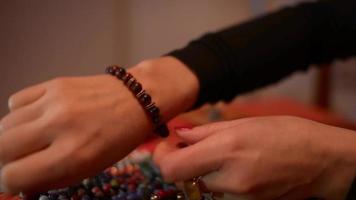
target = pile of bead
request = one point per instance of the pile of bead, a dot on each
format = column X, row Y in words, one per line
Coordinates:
column 134, row 178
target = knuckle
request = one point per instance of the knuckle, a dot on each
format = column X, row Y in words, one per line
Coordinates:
column 61, row 114
column 62, row 111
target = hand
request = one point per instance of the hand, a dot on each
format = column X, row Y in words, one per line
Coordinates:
column 264, row 158
column 56, row 130
column 66, row 129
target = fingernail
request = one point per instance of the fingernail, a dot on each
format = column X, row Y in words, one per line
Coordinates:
column 182, row 129
column 10, row 104
column 181, row 145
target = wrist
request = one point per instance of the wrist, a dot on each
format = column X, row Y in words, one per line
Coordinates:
column 338, row 161
column 171, row 84
column 344, row 145
column 350, row 137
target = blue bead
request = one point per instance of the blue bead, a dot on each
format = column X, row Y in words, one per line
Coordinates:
column 86, row 197
column 132, row 196
column 140, row 193
column 124, row 187
column 104, row 177
column 121, row 195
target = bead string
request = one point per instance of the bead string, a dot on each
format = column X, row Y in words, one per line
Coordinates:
column 142, row 96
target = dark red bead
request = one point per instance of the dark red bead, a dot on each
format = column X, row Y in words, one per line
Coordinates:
column 120, row 73
column 156, row 119
column 145, row 99
column 130, row 82
column 106, row 188
column 132, row 187
column 161, row 193
column 74, row 197
column 127, row 77
column 111, row 70
column 136, row 87
column 162, row 130
column 154, row 111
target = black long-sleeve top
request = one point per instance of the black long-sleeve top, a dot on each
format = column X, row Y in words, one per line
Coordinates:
column 262, row 51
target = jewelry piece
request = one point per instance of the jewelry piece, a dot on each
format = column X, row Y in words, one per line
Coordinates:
column 192, row 190
column 195, row 189
column 201, row 184
column 142, row 96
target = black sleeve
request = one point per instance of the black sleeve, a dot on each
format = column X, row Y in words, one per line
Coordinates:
column 264, row 50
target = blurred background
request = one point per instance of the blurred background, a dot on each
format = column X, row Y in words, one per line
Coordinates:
column 40, row 40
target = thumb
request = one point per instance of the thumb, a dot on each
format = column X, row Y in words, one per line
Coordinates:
column 194, row 135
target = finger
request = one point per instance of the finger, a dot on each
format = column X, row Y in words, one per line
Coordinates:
column 222, row 181
column 200, row 132
column 235, row 197
column 22, row 140
column 191, row 161
column 219, row 181
column 20, row 116
column 58, row 165
column 296, row 194
column 31, row 173
column 165, row 147
column 162, row 150
column 26, row 96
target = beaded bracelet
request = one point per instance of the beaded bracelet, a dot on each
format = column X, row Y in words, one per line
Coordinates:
column 142, row 96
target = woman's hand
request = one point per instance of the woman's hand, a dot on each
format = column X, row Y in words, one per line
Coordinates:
column 66, row 129
column 265, row 158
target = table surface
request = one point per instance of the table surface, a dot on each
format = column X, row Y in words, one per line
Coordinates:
column 241, row 109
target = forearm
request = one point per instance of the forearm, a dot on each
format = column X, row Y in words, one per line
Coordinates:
column 343, row 143
column 262, row 51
